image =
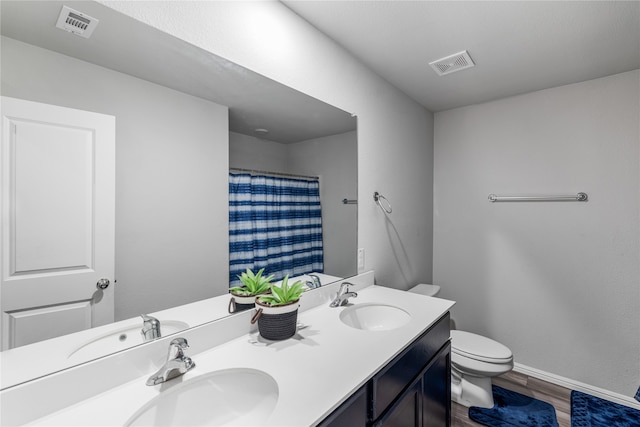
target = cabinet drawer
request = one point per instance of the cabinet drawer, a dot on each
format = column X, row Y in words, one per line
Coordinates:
column 389, row 383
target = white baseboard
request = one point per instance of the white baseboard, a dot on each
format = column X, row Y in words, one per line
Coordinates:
column 576, row 385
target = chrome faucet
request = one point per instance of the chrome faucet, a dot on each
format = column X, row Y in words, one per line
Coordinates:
column 177, row 363
column 343, row 295
column 150, row 328
column 314, row 282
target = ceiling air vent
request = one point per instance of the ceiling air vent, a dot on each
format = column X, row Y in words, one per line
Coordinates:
column 453, row 63
column 76, row 22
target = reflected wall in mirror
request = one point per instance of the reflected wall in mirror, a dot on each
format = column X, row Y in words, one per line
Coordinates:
column 183, row 116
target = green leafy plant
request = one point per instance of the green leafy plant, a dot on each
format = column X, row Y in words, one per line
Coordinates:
column 254, row 284
column 283, row 294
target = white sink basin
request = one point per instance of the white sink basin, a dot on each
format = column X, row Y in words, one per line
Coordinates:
column 121, row 339
column 374, row 317
column 230, row 397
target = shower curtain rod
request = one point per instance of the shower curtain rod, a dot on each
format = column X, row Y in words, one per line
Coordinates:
column 290, row 175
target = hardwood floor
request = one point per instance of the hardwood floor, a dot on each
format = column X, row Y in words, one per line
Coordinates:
column 555, row 395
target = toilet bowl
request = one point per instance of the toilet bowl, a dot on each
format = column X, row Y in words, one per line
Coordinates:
column 474, row 361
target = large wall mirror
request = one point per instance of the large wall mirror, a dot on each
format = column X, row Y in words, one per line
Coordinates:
column 183, row 118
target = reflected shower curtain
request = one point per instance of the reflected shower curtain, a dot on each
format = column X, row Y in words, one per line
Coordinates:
column 276, row 224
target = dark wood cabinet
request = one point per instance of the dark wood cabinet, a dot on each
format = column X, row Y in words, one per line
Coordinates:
column 413, row 390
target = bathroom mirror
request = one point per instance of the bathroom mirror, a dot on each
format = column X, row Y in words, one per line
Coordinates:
column 171, row 199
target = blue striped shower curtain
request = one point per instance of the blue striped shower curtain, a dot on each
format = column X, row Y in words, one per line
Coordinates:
column 275, row 224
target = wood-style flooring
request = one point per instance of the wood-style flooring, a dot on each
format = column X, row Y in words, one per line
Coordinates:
column 555, row 395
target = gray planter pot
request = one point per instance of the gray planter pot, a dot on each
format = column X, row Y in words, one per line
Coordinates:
column 277, row 322
column 239, row 303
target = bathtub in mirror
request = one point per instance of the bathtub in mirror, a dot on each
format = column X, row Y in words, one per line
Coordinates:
column 171, row 233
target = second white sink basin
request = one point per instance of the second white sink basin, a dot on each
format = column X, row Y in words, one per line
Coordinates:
column 374, row 317
column 120, row 339
column 229, row 397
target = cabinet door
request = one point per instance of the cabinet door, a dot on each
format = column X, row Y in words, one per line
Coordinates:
column 352, row 413
column 406, row 411
column 436, row 390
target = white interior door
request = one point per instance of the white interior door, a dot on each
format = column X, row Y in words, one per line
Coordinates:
column 58, row 220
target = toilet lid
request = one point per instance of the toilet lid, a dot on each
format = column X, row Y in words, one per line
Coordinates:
column 478, row 347
column 424, row 289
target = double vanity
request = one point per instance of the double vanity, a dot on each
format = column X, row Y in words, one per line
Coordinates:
column 382, row 358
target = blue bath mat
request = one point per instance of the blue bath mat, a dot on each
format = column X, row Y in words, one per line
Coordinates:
column 591, row 411
column 513, row 409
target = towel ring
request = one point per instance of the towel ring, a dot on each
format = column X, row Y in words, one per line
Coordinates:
column 382, row 202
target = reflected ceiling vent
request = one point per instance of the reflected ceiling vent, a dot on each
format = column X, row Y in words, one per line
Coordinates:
column 76, row 22
column 453, row 63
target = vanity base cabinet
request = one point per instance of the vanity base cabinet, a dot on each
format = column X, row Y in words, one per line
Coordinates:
column 426, row 402
column 413, row 390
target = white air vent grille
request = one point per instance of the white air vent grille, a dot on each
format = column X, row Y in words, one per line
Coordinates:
column 76, row 22
column 453, row 63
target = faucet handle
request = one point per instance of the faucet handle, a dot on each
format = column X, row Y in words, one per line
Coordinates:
column 343, row 295
column 150, row 327
column 344, row 287
column 149, row 320
column 180, row 342
column 176, row 347
column 315, row 280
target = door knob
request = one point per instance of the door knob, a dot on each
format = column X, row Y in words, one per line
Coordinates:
column 103, row 283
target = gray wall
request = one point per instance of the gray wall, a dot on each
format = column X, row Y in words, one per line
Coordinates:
column 333, row 159
column 171, row 175
column 556, row 282
column 249, row 152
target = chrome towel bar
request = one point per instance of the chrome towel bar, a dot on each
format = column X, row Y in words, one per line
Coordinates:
column 580, row 197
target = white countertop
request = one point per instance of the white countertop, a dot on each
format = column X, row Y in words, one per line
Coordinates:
column 316, row 370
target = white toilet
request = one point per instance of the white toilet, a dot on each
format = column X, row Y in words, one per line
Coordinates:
column 474, row 360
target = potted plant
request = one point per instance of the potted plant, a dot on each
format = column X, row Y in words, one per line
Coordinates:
column 244, row 297
column 277, row 312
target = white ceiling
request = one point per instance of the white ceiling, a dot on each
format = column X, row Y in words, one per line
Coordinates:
column 518, row 46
